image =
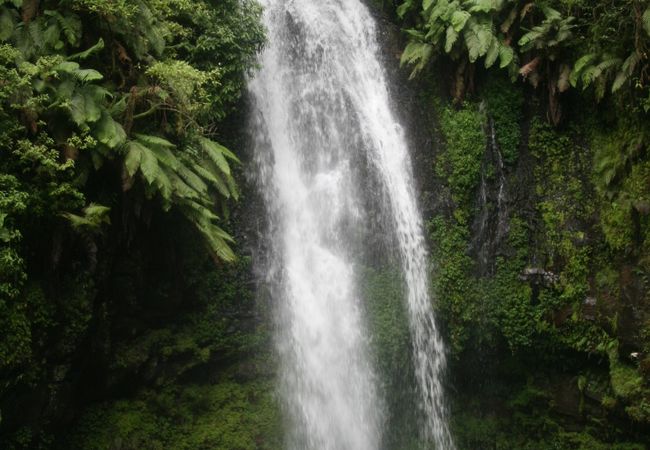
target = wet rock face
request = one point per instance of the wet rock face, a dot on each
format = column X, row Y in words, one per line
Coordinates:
column 490, row 225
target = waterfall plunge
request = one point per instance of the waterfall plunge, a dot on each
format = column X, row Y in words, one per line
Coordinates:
column 321, row 99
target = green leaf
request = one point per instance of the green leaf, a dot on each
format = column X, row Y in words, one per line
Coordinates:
column 109, row 132
column 492, row 53
column 506, row 56
column 149, row 166
column 619, row 81
column 417, row 54
column 192, row 179
column 134, row 151
column 151, row 140
column 486, row 6
column 404, row 8
column 164, row 186
column 527, row 41
column 550, row 13
column 86, row 53
column 216, row 152
column 5, row 234
column 417, row 34
column 86, row 75
column 166, row 157
column 67, row 67
column 232, row 186
column 217, row 240
column 630, row 63
column 451, row 38
column 85, row 105
column 459, row 19
column 94, row 216
column 182, row 189
column 579, row 66
column 221, row 185
column 478, row 38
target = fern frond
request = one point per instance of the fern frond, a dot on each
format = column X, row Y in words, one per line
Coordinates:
column 506, row 56
column 579, row 67
column 94, row 216
column 109, row 132
column 149, row 166
column 450, row 39
column 192, row 179
column 492, row 53
column 89, row 51
column 134, row 151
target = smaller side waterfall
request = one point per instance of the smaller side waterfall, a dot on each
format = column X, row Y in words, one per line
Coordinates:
column 391, row 157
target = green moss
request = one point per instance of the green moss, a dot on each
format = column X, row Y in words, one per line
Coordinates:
column 504, row 104
column 465, row 139
column 453, row 286
column 620, row 175
column 585, row 221
column 626, row 381
column 384, row 294
column 228, row 415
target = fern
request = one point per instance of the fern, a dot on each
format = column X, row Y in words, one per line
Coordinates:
column 478, row 38
column 458, row 20
column 184, row 180
column 89, row 51
column 418, row 55
column 93, row 218
column 623, row 75
column 506, row 56
column 492, row 53
column 109, row 132
column 579, row 67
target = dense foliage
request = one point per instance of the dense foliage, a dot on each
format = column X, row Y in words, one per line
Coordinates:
column 540, row 240
column 111, row 118
column 118, row 329
column 541, row 267
column 554, row 45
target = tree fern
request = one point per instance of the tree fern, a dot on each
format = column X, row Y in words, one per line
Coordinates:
column 93, row 218
column 417, row 54
column 184, row 180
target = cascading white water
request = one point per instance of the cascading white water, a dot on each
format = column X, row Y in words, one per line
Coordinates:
column 321, row 99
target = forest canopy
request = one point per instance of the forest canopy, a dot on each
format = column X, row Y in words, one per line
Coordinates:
column 556, row 45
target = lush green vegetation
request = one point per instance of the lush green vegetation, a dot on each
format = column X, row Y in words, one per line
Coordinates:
column 126, row 309
column 540, row 250
column 113, row 116
column 555, row 45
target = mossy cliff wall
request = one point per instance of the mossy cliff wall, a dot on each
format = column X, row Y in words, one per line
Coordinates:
column 539, row 239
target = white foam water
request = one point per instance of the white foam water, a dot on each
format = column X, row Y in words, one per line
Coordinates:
column 320, row 99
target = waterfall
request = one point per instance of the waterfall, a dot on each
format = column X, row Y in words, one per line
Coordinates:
column 321, row 115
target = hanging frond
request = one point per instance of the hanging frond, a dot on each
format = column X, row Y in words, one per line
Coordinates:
column 93, row 218
column 416, row 54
